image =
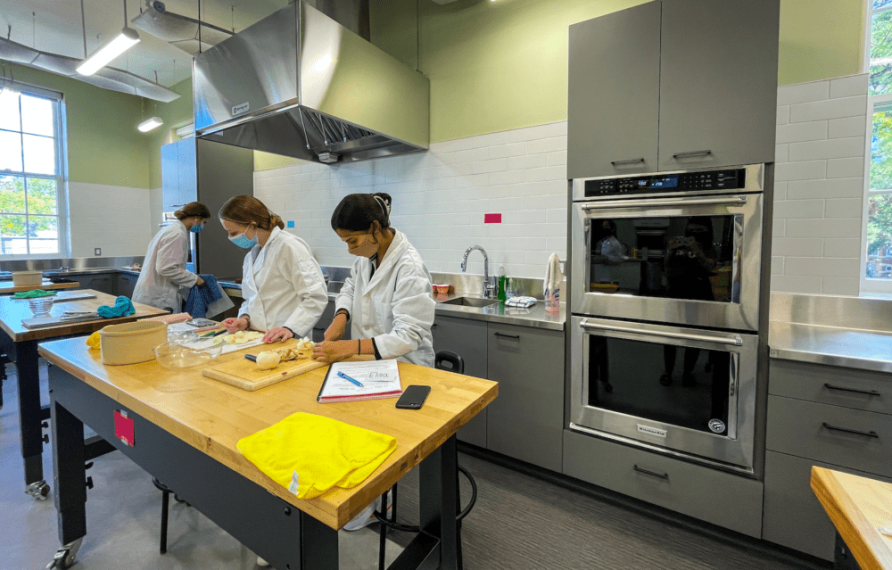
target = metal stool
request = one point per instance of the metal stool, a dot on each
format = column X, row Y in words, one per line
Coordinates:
column 443, row 360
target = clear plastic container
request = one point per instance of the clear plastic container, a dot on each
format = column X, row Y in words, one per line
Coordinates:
column 40, row 306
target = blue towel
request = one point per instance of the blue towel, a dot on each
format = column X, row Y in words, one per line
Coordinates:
column 201, row 296
column 122, row 308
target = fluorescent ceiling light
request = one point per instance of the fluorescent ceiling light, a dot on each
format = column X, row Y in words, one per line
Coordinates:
column 150, row 124
column 109, row 51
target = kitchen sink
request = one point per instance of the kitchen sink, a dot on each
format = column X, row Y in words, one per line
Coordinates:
column 471, row 302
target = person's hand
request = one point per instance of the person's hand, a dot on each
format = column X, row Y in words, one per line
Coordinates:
column 277, row 334
column 236, row 324
column 199, row 281
column 334, row 351
column 335, row 330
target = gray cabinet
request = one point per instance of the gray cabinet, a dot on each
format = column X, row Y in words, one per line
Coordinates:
column 102, row 282
column 526, row 420
column 718, row 82
column 614, row 86
column 126, row 284
column 466, row 338
column 673, row 85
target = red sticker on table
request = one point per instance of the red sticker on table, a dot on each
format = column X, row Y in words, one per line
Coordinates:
column 492, row 218
column 124, row 428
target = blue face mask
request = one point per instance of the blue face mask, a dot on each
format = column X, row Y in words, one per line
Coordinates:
column 196, row 228
column 243, row 242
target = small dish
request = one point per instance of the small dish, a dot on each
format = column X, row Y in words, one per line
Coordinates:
column 40, row 306
column 177, row 356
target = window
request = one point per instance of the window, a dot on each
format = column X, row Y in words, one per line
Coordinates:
column 32, row 207
column 876, row 265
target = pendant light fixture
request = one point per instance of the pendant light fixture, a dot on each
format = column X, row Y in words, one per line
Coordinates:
column 110, row 50
column 153, row 122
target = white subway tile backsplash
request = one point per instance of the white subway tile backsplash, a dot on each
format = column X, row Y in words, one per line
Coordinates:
column 842, row 247
column 853, row 85
column 783, row 114
column 833, row 188
column 796, row 284
column 799, row 209
column 802, row 132
column 848, row 127
column 777, row 265
column 839, row 228
column 827, row 149
column 821, row 266
column 844, row 208
column 811, row 170
column 803, row 93
column 845, row 168
column 830, row 109
column 781, row 152
column 797, row 247
column 847, row 286
column 780, row 191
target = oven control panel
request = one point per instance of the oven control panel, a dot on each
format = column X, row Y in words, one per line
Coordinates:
column 684, row 182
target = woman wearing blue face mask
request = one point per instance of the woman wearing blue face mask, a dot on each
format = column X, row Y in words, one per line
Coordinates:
column 282, row 284
column 164, row 273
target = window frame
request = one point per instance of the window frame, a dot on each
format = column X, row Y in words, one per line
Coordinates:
column 61, row 176
column 870, row 286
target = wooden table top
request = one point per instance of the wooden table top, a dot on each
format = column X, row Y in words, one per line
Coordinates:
column 213, row 416
column 858, row 507
column 12, row 311
column 46, row 285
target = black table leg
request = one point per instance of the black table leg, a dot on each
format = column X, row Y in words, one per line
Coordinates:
column 69, row 477
column 30, row 417
column 843, row 557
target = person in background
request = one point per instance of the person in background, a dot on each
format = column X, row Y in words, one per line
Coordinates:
column 164, row 272
column 282, row 284
column 387, row 297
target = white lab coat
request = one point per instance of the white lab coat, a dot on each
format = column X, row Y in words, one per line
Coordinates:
column 395, row 306
column 164, row 271
column 283, row 285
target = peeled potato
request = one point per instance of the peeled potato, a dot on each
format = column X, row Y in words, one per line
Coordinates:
column 268, row 360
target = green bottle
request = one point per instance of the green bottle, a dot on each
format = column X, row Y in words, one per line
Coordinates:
column 503, row 285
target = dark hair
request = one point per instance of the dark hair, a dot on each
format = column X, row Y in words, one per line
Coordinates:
column 247, row 210
column 358, row 212
column 193, row 209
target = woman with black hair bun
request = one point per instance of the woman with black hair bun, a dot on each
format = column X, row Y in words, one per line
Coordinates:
column 387, row 298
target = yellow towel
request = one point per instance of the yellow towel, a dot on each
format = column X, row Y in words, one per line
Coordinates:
column 310, row 454
column 93, row 341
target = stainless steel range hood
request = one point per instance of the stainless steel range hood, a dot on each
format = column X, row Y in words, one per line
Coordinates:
column 299, row 84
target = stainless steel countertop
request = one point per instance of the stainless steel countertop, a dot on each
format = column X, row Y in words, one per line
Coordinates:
column 535, row 316
column 832, row 346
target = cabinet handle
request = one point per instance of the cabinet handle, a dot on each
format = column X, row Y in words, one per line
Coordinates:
column 514, row 336
column 853, row 390
column 852, row 431
column 624, row 162
column 693, row 154
column 652, row 473
column 318, row 328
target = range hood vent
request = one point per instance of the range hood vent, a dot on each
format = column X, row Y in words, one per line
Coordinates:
column 300, row 84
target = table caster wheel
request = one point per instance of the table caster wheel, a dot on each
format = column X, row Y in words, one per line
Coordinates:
column 38, row 490
column 65, row 556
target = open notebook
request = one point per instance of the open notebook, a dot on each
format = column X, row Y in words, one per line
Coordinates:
column 349, row 381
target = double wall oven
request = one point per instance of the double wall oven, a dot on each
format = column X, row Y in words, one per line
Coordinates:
column 665, row 283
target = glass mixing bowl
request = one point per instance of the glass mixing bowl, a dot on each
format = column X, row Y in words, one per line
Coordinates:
column 188, row 354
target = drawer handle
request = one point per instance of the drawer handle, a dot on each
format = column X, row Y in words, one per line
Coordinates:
column 318, row 328
column 695, row 154
column 629, row 161
column 852, row 431
column 652, row 473
column 853, row 390
column 514, row 336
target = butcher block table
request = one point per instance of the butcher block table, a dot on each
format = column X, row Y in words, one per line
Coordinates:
column 858, row 507
column 186, row 427
column 19, row 343
column 8, row 287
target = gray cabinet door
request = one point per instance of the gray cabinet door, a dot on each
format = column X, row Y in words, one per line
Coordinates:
column 187, row 172
column 126, row 284
column 467, row 339
column 170, row 182
column 102, row 282
column 613, row 93
column 718, row 82
column 526, row 419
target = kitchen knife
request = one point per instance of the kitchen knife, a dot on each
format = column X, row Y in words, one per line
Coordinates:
column 251, row 357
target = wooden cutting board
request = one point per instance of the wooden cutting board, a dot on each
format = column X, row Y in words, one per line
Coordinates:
column 243, row 373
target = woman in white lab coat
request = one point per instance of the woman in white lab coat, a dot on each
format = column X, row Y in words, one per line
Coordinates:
column 283, row 286
column 387, row 297
column 164, row 273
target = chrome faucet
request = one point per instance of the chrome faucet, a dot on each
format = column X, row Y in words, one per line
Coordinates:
column 489, row 289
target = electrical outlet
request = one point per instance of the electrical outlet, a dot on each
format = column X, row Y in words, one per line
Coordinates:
column 290, row 223
column 97, row 251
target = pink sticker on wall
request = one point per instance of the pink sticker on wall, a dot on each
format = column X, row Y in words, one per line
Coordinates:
column 492, row 218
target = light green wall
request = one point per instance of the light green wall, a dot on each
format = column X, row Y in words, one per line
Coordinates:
column 104, row 146
column 502, row 65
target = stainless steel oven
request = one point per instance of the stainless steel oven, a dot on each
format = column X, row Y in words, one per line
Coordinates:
column 673, row 247
column 676, row 390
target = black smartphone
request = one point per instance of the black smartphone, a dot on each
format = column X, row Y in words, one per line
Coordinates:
column 413, row 397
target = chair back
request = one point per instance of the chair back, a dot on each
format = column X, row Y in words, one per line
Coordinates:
column 448, row 360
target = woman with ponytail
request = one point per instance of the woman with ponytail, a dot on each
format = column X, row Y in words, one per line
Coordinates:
column 387, row 298
column 282, row 284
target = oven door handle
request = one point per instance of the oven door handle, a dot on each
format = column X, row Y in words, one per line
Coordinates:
column 734, row 201
column 729, row 340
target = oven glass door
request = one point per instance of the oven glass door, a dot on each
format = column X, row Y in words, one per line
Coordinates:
column 683, row 389
column 684, row 260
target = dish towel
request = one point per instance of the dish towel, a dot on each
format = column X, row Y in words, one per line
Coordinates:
column 122, row 308
column 33, row 294
column 553, row 278
column 310, row 454
column 521, row 302
column 201, row 296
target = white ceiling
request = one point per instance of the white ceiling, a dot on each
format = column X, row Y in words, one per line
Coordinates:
column 57, row 28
